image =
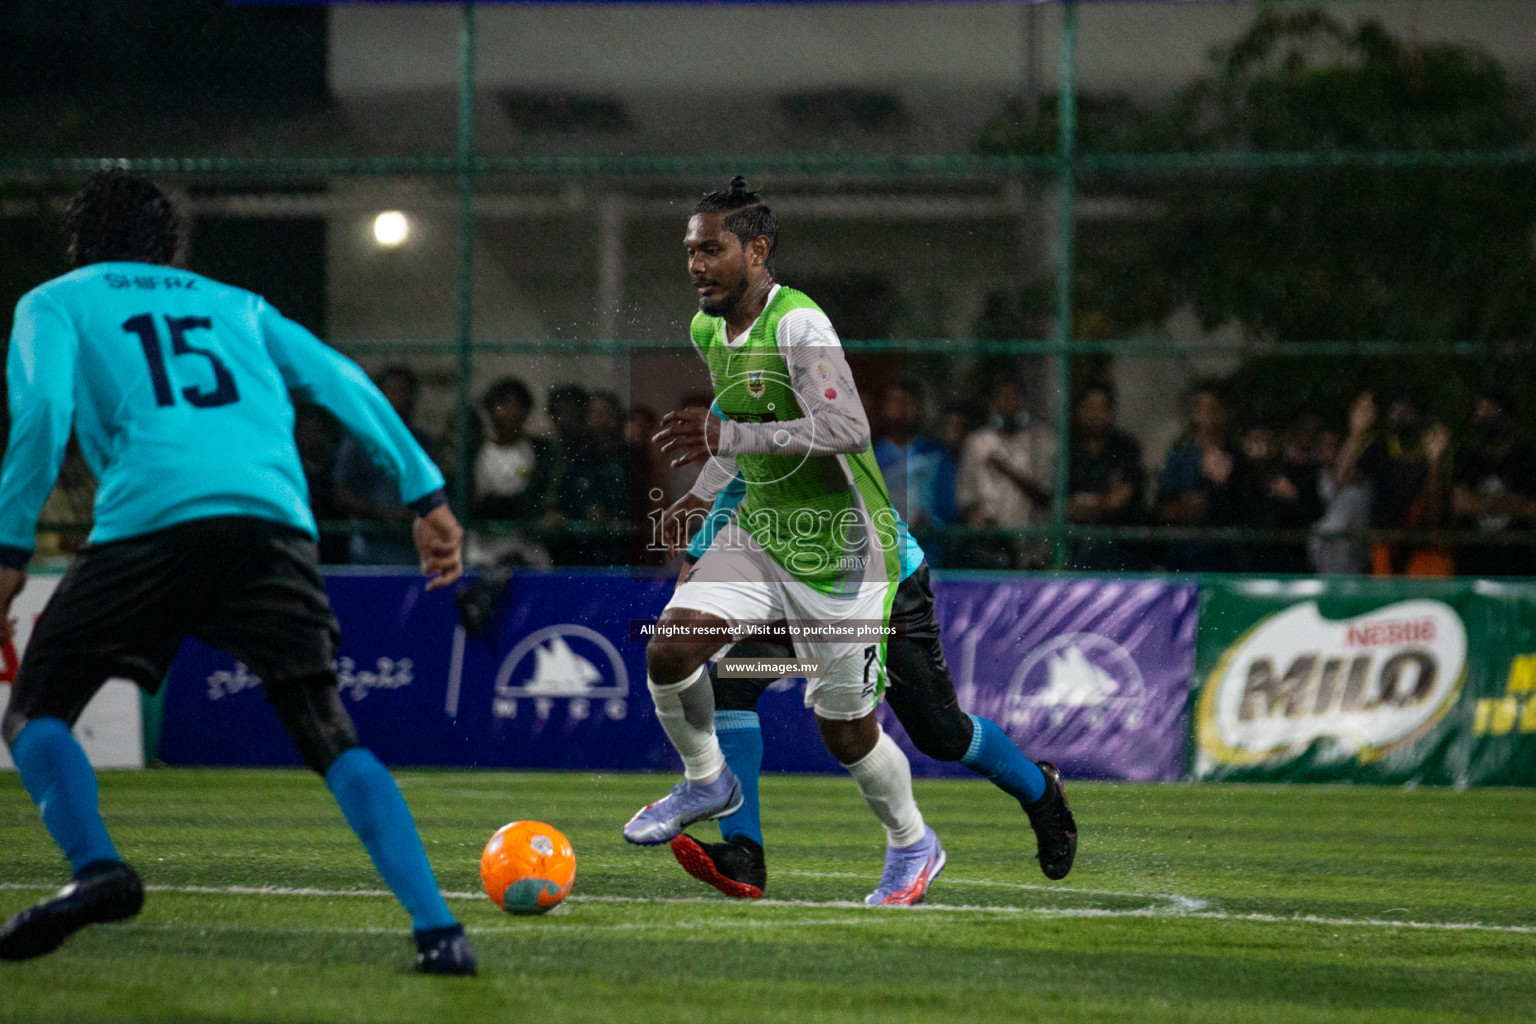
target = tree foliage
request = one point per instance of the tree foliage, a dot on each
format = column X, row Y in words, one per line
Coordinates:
column 1417, row 252
column 1411, row 253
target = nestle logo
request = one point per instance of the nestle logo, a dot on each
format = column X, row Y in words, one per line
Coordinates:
column 1377, row 634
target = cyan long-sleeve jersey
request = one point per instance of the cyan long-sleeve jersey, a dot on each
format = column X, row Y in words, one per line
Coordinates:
column 177, row 387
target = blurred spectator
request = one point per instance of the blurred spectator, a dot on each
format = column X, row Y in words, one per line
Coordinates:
column 364, row 491
column 1493, row 490
column 1205, row 482
column 317, row 435
column 69, row 511
column 1403, row 459
column 593, row 489
column 647, row 482
column 918, row 470
column 568, row 416
column 1105, row 482
column 1346, row 509
column 1286, row 498
column 1005, row 480
column 955, row 426
column 512, row 471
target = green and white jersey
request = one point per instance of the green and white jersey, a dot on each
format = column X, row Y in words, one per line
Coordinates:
column 796, row 431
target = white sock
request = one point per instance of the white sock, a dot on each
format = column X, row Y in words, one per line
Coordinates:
column 687, row 713
column 885, row 778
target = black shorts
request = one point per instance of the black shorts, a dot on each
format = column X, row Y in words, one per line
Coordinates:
column 250, row 587
column 919, row 688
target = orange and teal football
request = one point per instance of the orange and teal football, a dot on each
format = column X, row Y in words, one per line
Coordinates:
column 528, row 867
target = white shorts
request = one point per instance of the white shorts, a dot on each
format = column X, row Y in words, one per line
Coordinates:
column 738, row 581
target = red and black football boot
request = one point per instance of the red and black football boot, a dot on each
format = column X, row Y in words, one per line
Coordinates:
column 735, row 868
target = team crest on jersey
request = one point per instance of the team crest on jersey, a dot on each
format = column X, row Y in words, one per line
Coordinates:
column 755, row 386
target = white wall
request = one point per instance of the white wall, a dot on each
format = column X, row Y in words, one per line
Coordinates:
column 658, row 47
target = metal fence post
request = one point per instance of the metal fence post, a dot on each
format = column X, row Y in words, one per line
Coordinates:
column 1066, row 152
column 465, row 160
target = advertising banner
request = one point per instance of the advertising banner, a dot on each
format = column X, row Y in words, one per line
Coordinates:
column 111, row 728
column 1366, row 680
column 1093, row 674
column 555, row 684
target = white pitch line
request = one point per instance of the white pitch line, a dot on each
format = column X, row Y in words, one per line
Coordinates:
column 685, row 925
column 1188, row 902
column 1085, row 913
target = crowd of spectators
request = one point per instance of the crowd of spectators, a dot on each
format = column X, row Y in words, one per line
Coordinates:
column 568, row 497
column 1305, row 496
column 1364, row 495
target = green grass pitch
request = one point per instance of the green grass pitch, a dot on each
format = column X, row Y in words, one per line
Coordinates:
column 1218, row 903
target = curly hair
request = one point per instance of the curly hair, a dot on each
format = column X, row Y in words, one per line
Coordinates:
column 120, row 217
column 746, row 215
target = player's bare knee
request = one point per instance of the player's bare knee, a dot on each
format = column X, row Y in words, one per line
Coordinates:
column 683, row 642
column 849, row 741
column 668, row 662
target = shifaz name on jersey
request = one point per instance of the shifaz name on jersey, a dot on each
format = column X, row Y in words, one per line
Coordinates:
column 1362, row 686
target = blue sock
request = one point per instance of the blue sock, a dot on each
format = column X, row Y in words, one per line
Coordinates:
column 374, row 808
column 59, row 779
column 994, row 756
column 741, row 740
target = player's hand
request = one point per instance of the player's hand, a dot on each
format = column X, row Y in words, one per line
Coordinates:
column 11, row 582
column 440, row 546
column 1216, row 466
column 1362, row 414
column 681, row 521
column 1437, row 441
column 689, row 435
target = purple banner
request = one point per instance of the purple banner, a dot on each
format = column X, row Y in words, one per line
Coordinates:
column 1093, row 674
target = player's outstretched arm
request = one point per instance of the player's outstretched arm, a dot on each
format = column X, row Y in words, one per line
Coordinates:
column 440, row 546
column 40, row 374
column 332, row 380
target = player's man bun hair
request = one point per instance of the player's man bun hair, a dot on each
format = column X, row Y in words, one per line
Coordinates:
column 746, row 215
column 118, row 216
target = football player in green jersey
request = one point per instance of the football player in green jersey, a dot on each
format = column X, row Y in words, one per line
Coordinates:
column 814, row 543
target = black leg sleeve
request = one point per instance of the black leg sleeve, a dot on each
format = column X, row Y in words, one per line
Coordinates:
column 920, row 690
column 311, row 710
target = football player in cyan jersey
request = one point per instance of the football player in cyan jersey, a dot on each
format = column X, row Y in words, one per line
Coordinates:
column 177, row 387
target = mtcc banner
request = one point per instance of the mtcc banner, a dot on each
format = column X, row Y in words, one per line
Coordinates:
column 1366, row 680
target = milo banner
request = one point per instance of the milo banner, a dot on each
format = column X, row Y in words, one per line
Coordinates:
column 1366, row 680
